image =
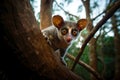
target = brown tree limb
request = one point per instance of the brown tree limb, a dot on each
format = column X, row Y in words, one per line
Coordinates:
column 108, row 14
column 86, row 66
column 45, row 13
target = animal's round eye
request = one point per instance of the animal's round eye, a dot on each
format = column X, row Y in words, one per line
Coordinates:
column 74, row 32
column 64, row 31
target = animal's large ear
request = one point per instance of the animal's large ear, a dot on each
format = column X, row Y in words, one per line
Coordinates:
column 81, row 24
column 58, row 21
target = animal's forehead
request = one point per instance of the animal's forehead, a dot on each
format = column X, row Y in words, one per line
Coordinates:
column 70, row 24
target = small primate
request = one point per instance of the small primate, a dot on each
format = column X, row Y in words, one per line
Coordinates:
column 61, row 33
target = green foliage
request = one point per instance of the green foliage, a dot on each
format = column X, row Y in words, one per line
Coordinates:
column 85, row 55
column 82, row 72
column 84, row 33
column 105, row 51
column 109, row 70
column 108, row 47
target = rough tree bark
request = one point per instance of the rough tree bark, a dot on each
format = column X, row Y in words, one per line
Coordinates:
column 21, row 37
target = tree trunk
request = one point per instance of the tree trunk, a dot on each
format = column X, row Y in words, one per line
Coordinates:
column 117, row 47
column 92, row 43
column 22, row 38
column 93, row 56
column 46, row 13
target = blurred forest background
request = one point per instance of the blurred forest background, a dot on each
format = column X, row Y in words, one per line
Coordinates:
column 102, row 52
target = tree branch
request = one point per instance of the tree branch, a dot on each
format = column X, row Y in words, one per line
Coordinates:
column 90, row 69
column 108, row 14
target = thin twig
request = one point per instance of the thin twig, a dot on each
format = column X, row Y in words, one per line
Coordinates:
column 66, row 11
column 99, row 15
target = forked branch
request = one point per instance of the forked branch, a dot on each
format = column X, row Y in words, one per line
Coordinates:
column 108, row 14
